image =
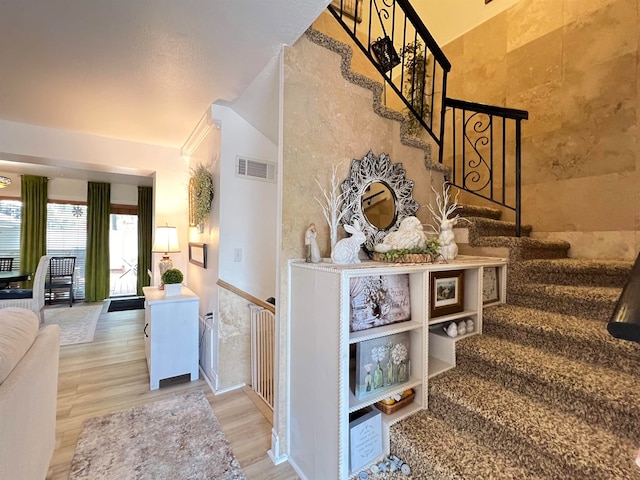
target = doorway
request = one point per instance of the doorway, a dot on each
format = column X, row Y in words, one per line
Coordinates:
column 123, row 254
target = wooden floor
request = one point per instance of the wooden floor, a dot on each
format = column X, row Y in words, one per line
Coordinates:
column 110, row 374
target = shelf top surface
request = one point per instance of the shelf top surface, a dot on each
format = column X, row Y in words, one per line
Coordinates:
column 154, row 294
column 364, row 267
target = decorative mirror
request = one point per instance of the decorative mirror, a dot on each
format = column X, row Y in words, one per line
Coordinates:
column 377, row 195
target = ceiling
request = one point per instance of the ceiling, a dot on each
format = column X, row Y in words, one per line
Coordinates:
column 139, row 70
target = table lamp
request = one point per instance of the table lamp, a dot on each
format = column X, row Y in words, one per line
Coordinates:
column 166, row 242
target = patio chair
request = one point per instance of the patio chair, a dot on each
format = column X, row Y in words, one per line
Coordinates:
column 32, row 299
column 61, row 273
column 6, row 264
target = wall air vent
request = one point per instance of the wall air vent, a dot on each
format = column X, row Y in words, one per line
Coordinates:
column 255, row 169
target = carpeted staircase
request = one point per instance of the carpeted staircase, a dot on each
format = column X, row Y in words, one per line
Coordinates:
column 545, row 392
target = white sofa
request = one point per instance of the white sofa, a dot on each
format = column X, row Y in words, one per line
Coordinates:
column 29, row 359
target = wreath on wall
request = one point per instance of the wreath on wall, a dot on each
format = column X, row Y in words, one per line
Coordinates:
column 200, row 195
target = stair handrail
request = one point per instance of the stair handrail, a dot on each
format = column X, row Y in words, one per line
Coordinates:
column 382, row 54
column 474, row 173
column 394, row 16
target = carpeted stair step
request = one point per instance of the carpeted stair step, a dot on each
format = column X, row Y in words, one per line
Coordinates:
column 593, row 303
column 570, row 271
column 599, row 395
column 477, row 211
column 435, row 450
column 524, row 248
column 486, row 227
column 572, row 337
column 548, row 442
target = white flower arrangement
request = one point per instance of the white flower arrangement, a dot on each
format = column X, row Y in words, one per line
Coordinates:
column 398, row 353
column 378, row 353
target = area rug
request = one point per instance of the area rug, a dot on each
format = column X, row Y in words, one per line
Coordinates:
column 176, row 438
column 77, row 323
column 126, row 304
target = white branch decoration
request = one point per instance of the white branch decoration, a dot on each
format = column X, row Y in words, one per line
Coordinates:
column 331, row 205
column 446, row 208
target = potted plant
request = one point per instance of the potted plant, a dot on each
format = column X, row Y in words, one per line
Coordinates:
column 172, row 281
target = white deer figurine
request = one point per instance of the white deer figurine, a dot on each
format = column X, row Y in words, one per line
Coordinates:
column 346, row 250
column 448, row 246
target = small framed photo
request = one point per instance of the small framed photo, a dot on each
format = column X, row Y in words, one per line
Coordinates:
column 198, row 254
column 446, row 293
column 490, row 285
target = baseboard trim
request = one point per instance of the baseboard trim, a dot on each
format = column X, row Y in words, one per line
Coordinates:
column 274, row 452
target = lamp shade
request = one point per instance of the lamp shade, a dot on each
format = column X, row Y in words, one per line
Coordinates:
column 166, row 240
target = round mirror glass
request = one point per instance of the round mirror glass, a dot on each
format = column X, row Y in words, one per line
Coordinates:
column 378, row 205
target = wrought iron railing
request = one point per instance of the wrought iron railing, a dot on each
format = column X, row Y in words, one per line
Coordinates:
column 484, row 149
column 391, row 34
column 483, row 143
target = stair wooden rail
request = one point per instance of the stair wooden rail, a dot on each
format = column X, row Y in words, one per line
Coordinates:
column 484, row 152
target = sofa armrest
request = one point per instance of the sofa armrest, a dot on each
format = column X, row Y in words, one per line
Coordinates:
column 28, row 399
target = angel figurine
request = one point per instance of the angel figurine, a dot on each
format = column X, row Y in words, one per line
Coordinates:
column 313, row 252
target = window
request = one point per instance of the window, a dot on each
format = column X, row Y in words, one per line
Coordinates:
column 10, row 215
column 67, row 237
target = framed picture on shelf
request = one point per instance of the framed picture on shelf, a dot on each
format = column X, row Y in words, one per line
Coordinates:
column 198, row 254
column 379, row 300
column 490, row 285
column 446, row 292
column 381, row 363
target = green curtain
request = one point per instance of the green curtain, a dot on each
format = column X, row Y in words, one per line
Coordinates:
column 97, row 262
column 33, row 225
column 145, row 226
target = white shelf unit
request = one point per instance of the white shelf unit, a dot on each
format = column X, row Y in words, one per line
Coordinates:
column 321, row 397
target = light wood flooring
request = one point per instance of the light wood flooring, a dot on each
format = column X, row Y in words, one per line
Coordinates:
column 110, row 374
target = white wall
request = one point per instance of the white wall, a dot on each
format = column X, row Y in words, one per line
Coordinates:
column 248, row 209
column 203, row 281
column 73, row 190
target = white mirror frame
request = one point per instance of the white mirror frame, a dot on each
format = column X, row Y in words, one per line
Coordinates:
column 363, row 173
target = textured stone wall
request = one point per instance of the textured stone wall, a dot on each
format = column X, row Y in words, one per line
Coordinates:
column 234, row 340
column 327, row 121
column 573, row 64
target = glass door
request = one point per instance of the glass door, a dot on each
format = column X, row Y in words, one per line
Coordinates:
column 123, row 254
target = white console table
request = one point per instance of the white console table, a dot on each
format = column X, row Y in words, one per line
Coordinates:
column 171, row 335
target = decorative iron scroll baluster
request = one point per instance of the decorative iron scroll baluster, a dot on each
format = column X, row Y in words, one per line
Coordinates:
column 485, row 152
column 478, row 173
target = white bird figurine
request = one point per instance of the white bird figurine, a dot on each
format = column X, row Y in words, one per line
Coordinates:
column 462, row 328
column 451, row 330
column 470, row 325
column 410, row 234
